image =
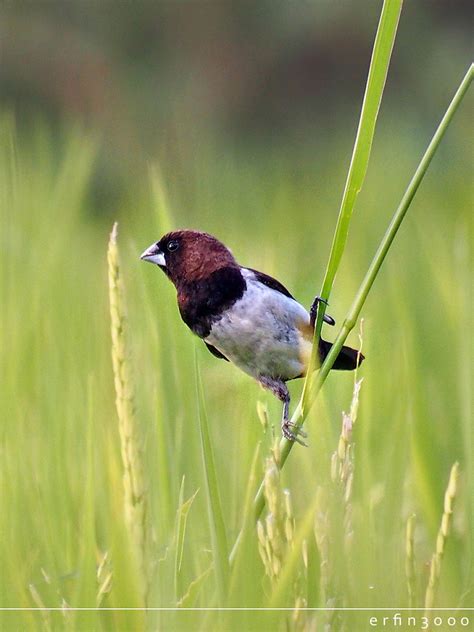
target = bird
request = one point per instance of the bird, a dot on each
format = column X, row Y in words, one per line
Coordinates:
column 244, row 316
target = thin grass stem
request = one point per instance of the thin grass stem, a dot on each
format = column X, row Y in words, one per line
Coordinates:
column 303, row 406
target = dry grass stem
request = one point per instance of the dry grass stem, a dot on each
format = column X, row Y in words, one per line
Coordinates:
column 262, row 413
column 342, row 462
column 276, row 532
column 45, row 614
column 135, row 496
column 104, row 577
column 435, row 565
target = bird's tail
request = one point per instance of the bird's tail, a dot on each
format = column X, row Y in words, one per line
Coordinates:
column 347, row 360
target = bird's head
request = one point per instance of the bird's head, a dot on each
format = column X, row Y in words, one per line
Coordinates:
column 188, row 255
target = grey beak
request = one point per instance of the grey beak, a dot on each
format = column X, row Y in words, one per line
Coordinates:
column 153, row 254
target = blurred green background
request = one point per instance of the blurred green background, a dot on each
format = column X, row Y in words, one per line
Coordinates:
column 237, row 118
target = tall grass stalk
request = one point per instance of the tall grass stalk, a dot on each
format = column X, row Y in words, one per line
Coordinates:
column 135, row 493
column 342, row 464
column 378, row 70
column 302, row 409
column 446, row 519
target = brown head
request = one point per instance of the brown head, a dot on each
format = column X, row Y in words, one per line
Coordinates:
column 189, row 255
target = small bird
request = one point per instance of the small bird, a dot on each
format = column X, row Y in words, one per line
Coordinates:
column 242, row 315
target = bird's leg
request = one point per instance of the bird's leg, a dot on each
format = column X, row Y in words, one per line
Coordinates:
column 280, row 390
column 313, row 312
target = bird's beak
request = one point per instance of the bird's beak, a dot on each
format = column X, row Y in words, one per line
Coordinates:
column 153, row 254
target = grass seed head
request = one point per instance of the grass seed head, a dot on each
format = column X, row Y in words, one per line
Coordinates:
column 135, row 494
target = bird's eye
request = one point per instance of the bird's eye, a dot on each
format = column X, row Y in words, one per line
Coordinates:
column 172, row 246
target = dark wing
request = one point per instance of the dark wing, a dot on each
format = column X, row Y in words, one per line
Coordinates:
column 271, row 282
column 216, row 352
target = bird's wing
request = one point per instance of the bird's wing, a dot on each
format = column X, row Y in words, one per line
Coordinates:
column 271, row 282
column 216, row 352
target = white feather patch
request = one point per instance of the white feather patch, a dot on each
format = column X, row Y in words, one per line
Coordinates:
column 263, row 333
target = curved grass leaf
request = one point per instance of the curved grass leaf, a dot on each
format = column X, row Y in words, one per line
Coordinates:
column 180, row 532
column 378, row 70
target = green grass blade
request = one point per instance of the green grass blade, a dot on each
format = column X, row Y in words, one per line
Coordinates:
column 216, row 519
column 236, row 556
column 189, row 597
column 180, row 532
column 378, row 70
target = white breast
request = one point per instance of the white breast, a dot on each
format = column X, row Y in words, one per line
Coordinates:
column 263, row 332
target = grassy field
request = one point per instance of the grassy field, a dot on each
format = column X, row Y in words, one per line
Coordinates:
column 329, row 542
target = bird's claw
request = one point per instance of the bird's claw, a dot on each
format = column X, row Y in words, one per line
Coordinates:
column 293, row 433
column 314, row 311
column 320, row 299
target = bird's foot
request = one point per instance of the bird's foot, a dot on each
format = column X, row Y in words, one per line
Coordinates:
column 293, row 433
column 313, row 312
